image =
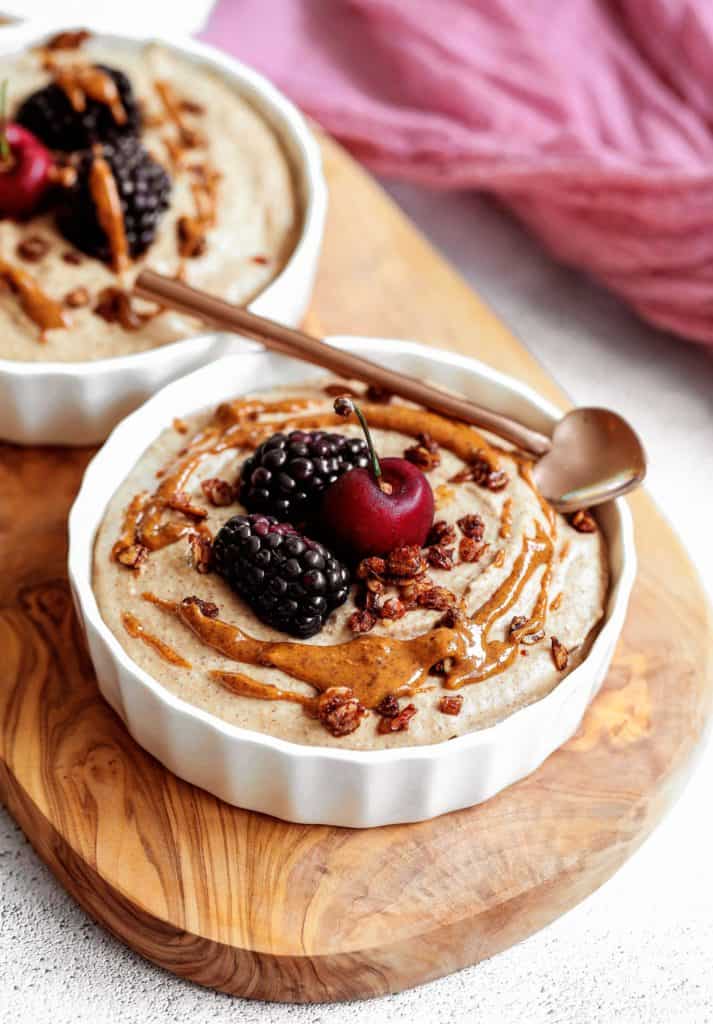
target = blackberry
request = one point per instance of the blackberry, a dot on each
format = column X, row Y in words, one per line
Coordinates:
column 290, row 582
column 287, row 474
column 144, row 188
column 50, row 116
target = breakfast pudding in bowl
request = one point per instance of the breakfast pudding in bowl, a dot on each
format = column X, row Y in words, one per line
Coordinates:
column 121, row 155
column 393, row 582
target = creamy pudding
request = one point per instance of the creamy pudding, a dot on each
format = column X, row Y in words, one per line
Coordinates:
column 496, row 608
column 231, row 222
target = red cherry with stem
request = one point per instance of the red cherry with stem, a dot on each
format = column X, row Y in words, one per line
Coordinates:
column 373, row 511
column 24, row 167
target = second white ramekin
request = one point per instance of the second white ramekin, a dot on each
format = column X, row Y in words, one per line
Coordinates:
column 79, row 403
column 325, row 785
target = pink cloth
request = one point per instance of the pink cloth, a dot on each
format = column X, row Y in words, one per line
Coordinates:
column 591, row 119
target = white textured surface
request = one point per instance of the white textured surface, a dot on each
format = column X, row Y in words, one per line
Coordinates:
column 640, row 950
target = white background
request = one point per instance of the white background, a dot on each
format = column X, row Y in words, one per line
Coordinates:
column 641, row 948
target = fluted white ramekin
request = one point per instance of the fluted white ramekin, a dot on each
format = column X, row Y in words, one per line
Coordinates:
column 323, row 784
column 79, row 403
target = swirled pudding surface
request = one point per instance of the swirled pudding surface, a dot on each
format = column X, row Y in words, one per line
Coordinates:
column 235, row 163
column 500, row 605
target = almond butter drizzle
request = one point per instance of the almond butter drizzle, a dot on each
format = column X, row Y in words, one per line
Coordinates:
column 506, row 519
column 556, row 602
column 80, row 81
column 244, row 686
column 135, row 629
column 39, row 307
column 371, row 666
column 105, row 196
column 188, row 137
column 488, row 657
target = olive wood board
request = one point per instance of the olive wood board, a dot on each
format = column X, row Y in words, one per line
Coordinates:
column 261, row 908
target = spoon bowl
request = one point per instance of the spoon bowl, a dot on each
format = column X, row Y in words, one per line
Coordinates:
column 595, row 456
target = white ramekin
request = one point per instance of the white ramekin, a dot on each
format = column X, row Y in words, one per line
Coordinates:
column 79, row 403
column 323, row 784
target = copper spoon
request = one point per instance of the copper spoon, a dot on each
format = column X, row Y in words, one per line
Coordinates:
column 592, row 456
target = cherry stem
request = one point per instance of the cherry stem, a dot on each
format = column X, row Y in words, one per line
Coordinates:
column 345, row 405
column 5, row 153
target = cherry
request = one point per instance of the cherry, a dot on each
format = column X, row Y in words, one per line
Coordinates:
column 24, row 167
column 373, row 511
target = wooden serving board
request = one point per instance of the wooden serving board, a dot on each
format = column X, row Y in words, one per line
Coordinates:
column 261, row 908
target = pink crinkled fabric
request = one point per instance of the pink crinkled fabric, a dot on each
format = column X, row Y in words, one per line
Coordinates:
column 591, row 120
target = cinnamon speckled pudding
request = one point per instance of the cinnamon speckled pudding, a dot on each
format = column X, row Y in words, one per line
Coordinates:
column 414, row 645
column 197, row 184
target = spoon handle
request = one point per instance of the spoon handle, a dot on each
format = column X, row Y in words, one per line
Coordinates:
column 167, row 291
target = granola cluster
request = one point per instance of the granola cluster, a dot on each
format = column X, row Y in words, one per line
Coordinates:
column 406, row 570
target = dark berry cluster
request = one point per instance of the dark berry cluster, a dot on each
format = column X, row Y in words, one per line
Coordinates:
column 287, row 474
column 50, row 116
column 96, row 130
column 291, row 582
column 144, row 189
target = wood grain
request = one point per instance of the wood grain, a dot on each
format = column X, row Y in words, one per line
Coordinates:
column 261, row 908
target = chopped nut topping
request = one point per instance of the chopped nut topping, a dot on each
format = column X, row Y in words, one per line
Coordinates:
column 516, row 625
column 410, row 590
column 201, row 552
column 77, row 298
column 33, row 248
column 422, row 457
column 436, row 598
column 583, row 521
column 373, row 566
column 388, row 707
column 192, row 240
column 471, row 550
column 116, row 307
column 480, row 472
column 440, row 557
column 218, row 492
column 378, row 395
column 450, row 618
column 427, row 442
column 339, row 711
column 560, row 654
column 406, row 562
column 392, row 609
column 206, row 608
column 440, row 668
column 361, row 621
column 450, row 705
column 472, row 526
column 72, row 257
column 400, row 722
column 132, row 556
column 441, row 533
